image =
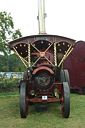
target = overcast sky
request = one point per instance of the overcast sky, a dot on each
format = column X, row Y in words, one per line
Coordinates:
column 64, row 17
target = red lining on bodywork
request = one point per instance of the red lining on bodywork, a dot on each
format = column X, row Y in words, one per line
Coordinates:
column 45, row 68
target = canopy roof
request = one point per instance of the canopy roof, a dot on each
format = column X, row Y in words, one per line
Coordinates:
column 33, row 38
column 29, row 46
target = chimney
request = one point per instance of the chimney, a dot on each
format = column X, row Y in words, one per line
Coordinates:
column 41, row 16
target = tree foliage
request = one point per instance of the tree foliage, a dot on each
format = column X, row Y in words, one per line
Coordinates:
column 7, row 31
column 8, row 62
column 11, row 63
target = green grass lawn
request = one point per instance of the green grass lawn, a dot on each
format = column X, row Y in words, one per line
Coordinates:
column 52, row 118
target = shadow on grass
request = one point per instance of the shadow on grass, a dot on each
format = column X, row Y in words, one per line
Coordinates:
column 54, row 109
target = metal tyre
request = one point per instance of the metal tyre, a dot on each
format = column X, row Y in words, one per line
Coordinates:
column 64, row 76
column 23, row 100
column 65, row 103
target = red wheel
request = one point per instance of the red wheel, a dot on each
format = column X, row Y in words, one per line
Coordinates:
column 65, row 104
column 23, row 100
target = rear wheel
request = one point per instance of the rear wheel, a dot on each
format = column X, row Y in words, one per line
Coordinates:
column 23, row 100
column 65, row 103
column 64, row 76
column 25, row 75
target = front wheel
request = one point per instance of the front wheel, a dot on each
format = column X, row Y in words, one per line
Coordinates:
column 65, row 103
column 23, row 100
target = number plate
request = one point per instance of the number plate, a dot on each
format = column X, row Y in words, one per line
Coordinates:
column 44, row 97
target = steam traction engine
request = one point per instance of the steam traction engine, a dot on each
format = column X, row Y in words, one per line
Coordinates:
column 43, row 56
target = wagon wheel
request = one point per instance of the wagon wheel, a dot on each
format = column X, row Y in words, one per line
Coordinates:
column 65, row 103
column 23, row 100
column 64, row 76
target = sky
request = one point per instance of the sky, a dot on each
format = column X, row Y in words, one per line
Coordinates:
column 64, row 17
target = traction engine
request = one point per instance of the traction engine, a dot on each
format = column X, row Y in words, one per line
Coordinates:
column 44, row 79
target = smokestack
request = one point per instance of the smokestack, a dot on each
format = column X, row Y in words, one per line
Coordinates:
column 41, row 16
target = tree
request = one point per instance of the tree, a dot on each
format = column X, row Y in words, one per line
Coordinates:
column 11, row 63
column 6, row 30
column 4, row 64
column 15, row 64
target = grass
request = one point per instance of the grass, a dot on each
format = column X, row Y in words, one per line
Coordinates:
column 8, row 94
column 10, row 116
